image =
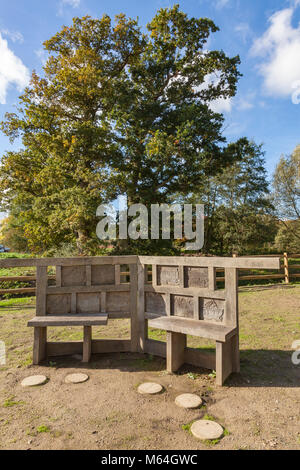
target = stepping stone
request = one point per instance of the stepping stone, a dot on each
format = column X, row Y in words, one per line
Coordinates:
column 150, row 388
column 34, row 381
column 205, row 429
column 188, row 401
column 76, row 378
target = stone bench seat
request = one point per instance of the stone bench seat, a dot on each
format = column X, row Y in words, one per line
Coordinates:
column 189, row 326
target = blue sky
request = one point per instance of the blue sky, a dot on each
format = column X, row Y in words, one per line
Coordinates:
column 266, row 35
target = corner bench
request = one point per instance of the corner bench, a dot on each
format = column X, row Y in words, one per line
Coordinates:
column 180, row 297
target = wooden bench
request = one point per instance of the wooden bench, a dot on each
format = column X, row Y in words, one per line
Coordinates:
column 40, row 325
column 181, row 299
column 79, row 298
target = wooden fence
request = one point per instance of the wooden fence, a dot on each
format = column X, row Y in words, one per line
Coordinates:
column 289, row 272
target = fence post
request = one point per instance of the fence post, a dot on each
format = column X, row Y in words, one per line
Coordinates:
column 286, row 268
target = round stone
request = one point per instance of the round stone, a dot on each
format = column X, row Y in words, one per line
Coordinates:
column 188, row 400
column 150, row 388
column 34, row 380
column 206, row 429
column 76, row 378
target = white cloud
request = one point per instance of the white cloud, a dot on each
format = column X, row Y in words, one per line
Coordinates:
column 65, row 3
column 12, row 71
column 72, row 3
column 15, row 36
column 280, row 47
column 221, row 4
column 221, row 105
column 244, row 31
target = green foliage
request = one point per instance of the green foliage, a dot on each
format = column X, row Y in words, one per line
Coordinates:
column 288, row 236
column 187, row 427
column 239, row 214
column 9, row 402
column 117, row 111
column 43, row 428
column 286, row 194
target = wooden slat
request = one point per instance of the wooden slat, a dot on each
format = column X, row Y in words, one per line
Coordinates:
column 21, row 278
column 197, row 358
column 103, row 301
column 192, row 291
column 41, row 287
column 55, row 349
column 231, row 290
column 218, row 262
column 69, row 320
column 168, row 304
column 117, row 274
column 87, row 344
column 196, row 308
column 193, row 327
column 58, row 276
column 86, row 289
column 134, row 323
column 192, row 356
column 261, row 276
column 23, row 290
column 96, row 260
column 73, row 303
column 154, row 275
column 212, row 278
column 100, row 346
column 88, row 275
column 142, row 323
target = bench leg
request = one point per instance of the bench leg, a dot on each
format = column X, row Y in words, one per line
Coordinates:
column 176, row 342
column 227, row 359
column 87, row 343
column 39, row 344
column 235, row 353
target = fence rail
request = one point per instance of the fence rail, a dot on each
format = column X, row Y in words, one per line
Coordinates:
column 287, row 274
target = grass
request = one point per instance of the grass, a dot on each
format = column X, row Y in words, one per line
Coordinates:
column 17, row 302
column 9, row 402
column 43, row 428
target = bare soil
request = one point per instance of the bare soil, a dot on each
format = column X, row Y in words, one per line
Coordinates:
column 259, row 408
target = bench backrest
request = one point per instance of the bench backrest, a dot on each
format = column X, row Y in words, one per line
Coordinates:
column 85, row 287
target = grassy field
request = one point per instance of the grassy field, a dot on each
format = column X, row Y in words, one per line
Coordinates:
column 259, row 407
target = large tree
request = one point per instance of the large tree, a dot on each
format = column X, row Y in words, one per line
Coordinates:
column 286, row 193
column 117, row 111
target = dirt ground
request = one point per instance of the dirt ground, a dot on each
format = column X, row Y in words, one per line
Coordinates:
column 259, row 408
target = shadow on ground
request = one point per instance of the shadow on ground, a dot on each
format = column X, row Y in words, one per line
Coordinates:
column 259, row 368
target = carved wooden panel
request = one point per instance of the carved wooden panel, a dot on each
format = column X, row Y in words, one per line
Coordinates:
column 88, row 303
column 73, row 276
column 58, row 304
column 103, row 275
column 212, row 309
column 155, row 303
column 168, row 276
column 118, row 302
column 195, row 277
column 182, row 306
